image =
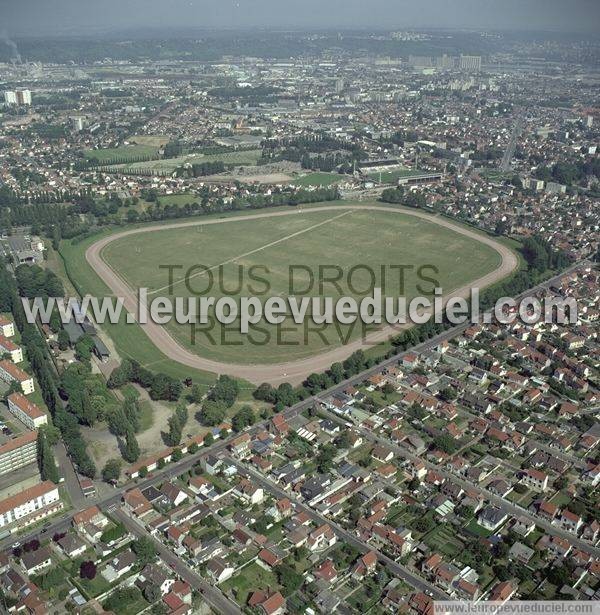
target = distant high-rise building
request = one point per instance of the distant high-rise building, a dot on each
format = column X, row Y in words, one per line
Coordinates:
column 445, row 62
column 78, row 123
column 470, row 63
column 339, row 85
column 17, row 97
column 10, row 97
column 23, row 97
column 589, row 121
column 420, row 61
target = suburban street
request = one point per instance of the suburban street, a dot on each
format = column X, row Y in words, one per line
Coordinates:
column 404, row 573
column 62, row 522
column 508, row 507
column 512, row 145
column 211, row 594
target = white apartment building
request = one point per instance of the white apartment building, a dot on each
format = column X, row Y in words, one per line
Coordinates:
column 7, row 347
column 534, row 479
column 31, row 415
column 7, row 327
column 18, row 452
column 9, row 372
column 30, row 505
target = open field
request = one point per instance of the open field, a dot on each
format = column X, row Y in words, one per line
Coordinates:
column 126, row 151
column 151, row 140
column 310, row 239
column 380, row 235
column 239, row 158
column 392, row 177
column 249, row 178
column 130, row 340
column 318, row 179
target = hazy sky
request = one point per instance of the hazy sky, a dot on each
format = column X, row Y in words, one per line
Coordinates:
column 58, row 16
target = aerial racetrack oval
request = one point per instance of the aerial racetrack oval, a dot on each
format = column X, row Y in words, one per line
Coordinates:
column 341, row 233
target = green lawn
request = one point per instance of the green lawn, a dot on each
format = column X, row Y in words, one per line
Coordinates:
column 443, row 540
column 474, row 528
column 130, row 391
column 561, row 499
column 109, row 154
column 346, row 239
column 146, row 415
column 229, row 159
column 250, row 579
column 318, row 179
column 94, row 587
column 132, row 607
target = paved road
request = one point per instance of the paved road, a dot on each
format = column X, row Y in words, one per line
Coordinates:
column 401, row 571
column 509, row 152
column 210, row 593
column 295, row 371
column 67, row 471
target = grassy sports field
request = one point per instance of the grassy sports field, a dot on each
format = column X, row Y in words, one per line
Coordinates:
column 319, row 179
column 239, row 158
column 126, row 151
column 392, row 177
column 130, row 341
column 343, row 238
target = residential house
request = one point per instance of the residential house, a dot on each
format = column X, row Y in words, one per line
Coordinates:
column 492, row 518
column 219, row 570
column 34, row 562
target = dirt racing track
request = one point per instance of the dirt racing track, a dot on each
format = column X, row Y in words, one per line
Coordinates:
column 293, row 371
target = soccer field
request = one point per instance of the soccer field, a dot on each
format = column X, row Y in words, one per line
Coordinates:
column 392, row 177
column 319, row 179
column 339, row 237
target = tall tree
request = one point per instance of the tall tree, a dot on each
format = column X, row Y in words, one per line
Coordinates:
column 117, row 422
column 131, row 410
column 173, row 437
column 131, row 450
column 45, row 457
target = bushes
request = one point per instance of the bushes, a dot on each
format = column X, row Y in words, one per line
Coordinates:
column 212, row 413
column 243, row 418
column 225, row 391
column 161, row 386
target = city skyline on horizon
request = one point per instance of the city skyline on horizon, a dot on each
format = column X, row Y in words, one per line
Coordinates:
column 34, row 17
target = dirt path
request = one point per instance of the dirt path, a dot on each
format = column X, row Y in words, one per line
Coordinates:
column 293, row 371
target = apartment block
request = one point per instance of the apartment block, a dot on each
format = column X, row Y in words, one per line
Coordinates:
column 18, row 452
column 26, row 411
column 7, row 327
column 9, row 372
column 30, row 505
column 7, row 347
